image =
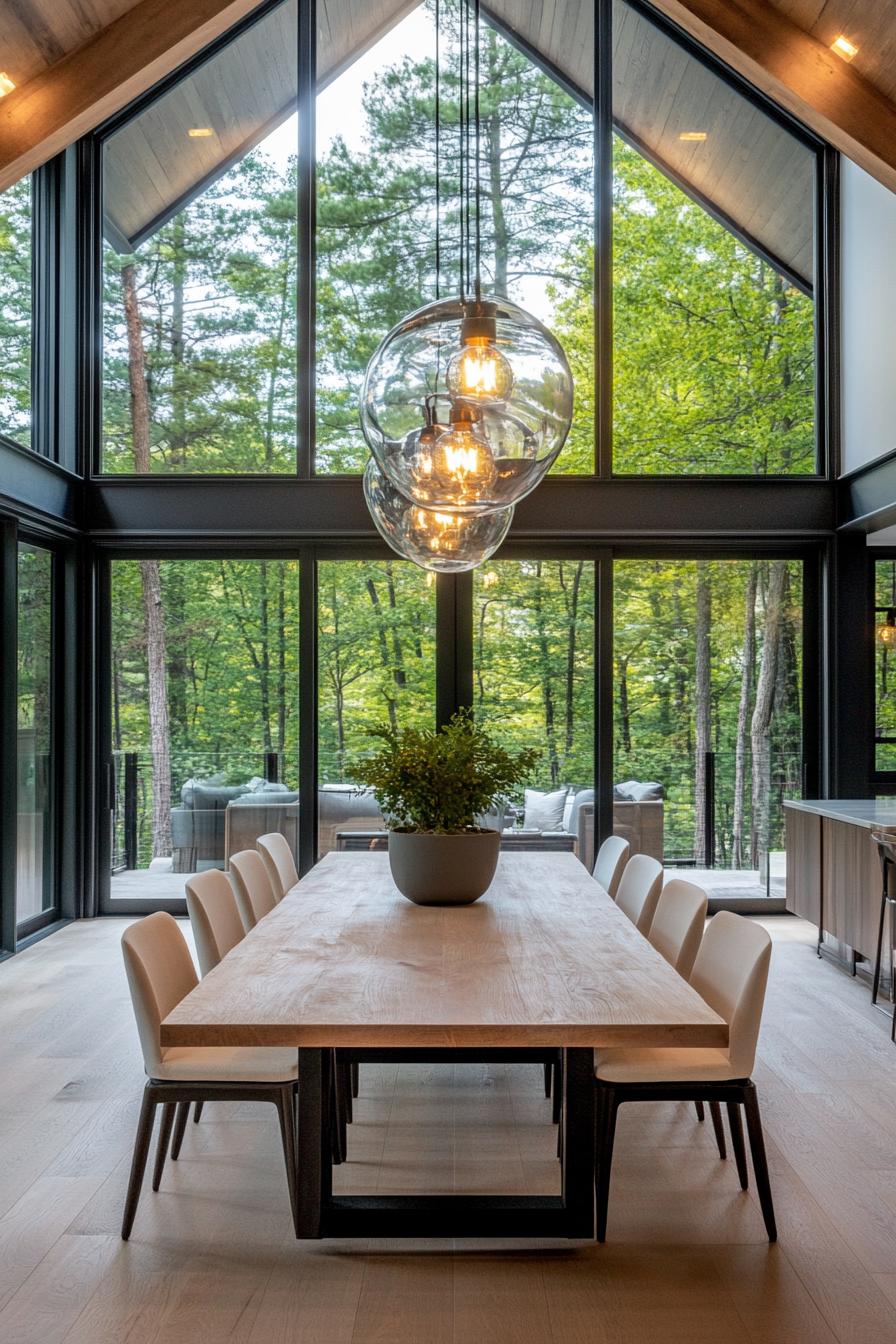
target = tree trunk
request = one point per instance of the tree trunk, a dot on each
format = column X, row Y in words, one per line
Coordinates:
column 763, row 711
column 572, row 617
column 151, row 582
column 703, row 711
column 743, row 712
column 178, row 427
column 625, row 727
column 492, row 144
column 547, row 689
column 264, row 621
column 281, row 660
column 384, row 653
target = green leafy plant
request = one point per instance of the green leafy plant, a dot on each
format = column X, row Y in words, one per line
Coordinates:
column 441, row 781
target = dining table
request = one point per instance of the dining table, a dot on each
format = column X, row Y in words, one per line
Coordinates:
column 544, row 960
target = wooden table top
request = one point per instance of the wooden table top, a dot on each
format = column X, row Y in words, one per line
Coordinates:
column 544, row 958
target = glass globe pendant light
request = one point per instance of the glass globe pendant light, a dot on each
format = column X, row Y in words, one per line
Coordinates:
column 467, row 402
column 507, row 405
column 445, row 543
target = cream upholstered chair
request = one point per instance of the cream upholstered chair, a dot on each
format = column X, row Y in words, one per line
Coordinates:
column 214, row 917
column 160, row 974
column 254, row 892
column 677, row 926
column 217, row 927
column 610, row 863
column 730, row 973
column 274, row 849
column 639, row 890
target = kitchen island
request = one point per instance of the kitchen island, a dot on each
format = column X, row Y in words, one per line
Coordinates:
column 833, row 869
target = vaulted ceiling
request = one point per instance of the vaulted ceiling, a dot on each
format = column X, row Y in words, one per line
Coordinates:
column 75, row 62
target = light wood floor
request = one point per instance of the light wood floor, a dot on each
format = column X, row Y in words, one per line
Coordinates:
column 213, row 1258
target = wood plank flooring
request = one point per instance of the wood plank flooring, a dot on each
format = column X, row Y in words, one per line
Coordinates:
column 212, row 1257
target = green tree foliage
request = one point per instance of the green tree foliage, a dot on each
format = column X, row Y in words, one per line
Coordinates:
column 713, row 350
column 533, row 662
column 376, row 656
column 15, row 312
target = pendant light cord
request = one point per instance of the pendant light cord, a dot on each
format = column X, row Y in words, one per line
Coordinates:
column 438, row 153
column 478, row 184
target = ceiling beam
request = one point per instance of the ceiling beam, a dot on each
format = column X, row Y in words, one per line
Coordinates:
column 800, row 73
column 123, row 60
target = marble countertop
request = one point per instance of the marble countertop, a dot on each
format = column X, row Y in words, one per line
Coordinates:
column 874, row 814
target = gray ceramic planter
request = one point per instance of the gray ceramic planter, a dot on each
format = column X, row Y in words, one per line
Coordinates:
column 443, row 869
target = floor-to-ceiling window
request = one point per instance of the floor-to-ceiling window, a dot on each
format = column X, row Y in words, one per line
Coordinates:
column 251, row 268
column 376, row 634
column 204, row 713
column 533, row 678
column 708, row 712
column 36, row 893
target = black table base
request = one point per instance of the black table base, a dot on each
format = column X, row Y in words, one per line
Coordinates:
column 323, row 1214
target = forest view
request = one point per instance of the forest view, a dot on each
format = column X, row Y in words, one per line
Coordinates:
column 713, row 372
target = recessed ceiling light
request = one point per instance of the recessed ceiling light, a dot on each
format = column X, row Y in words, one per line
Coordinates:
column 692, row 135
column 844, row 47
column 199, row 132
column 6, row 84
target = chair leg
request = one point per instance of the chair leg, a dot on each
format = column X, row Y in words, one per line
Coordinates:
column 737, row 1143
column 138, row 1162
column 167, row 1121
column 180, row 1125
column 875, row 980
column 701, row 1114
column 548, row 1071
column 286, row 1112
column 605, row 1137
column 715, row 1112
column 197, row 1111
column 557, row 1093
column 760, row 1162
column 356, row 1078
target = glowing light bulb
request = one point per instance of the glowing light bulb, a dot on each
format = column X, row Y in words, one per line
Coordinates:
column 886, row 633
column 456, row 467
column 480, row 371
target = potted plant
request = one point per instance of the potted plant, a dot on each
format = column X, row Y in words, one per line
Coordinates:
column 432, row 787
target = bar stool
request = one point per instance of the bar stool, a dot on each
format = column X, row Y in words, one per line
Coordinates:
column 886, row 848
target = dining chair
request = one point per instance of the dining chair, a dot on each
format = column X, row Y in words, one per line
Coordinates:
column 214, row 917
column 217, row 927
column 275, row 849
column 677, row 926
column 730, row 973
column 160, row 974
column 610, row 863
column 639, row 890
column 254, row 892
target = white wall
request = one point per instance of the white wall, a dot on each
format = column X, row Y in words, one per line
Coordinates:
column 868, row 314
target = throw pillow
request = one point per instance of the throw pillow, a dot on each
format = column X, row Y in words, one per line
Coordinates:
column 544, row 811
